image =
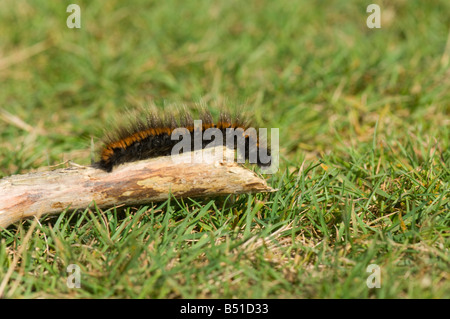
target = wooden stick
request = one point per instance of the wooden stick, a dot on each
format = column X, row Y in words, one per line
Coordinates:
column 136, row 183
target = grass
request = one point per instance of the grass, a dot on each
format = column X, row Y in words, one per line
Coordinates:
column 364, row 137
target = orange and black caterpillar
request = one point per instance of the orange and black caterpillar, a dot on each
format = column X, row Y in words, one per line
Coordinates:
column 149, row 136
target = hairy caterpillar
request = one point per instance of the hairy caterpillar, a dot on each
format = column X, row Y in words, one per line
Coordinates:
column 150, row 135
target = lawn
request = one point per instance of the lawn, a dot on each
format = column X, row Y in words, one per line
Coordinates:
column 363, row 116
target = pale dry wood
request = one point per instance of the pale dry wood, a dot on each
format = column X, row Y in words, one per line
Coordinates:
column 49, row 192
